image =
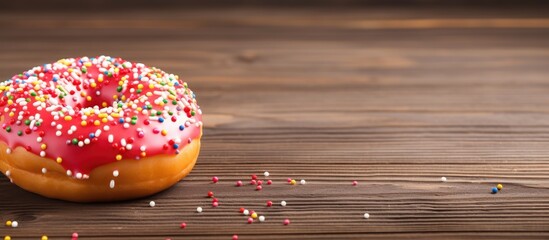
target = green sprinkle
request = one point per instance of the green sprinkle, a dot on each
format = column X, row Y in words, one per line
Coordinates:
column 74, row 141
column 119, row 88
column 19, row 133
column 8, row 129
column 27, row 122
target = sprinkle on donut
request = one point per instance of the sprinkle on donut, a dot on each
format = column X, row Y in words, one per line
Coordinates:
column 86, row 112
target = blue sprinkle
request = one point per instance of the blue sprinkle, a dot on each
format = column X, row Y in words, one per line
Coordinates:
column 494, row 190
column 176, row 146
column 181, row 127
column 121, row 120
column 161, row 120
column 176, row 84
column 54, row 79
column 92, row 135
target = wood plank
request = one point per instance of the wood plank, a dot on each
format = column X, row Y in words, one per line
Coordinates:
column 393, row 99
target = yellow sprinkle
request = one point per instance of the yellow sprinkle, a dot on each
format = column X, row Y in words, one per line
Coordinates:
column 143, row 154
column 100, row 79
column 82, row 94
column 164, row 132
column 104, row 104
column 11, row 114
column 118, row 157
column 139, row 109
column 88, row 98
column 499, row 186
column 293, row 182
column 7, row 238
column 115, row 96
column 140, row 86
column 96, row 122
column 44, row 237
column 8, row 223
column 68, row 118
column 151, row 86
column 70, row 69
column 43, row 146
column 115, row 115
column 149, row 94
column 10, row 102
column 123, row 98
column 104, row 120
column 87, row 64
column 84, row 123
column 59, row 160
column 93, row 84
column 254, row 215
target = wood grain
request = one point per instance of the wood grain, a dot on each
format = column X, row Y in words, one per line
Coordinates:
column 394, row 99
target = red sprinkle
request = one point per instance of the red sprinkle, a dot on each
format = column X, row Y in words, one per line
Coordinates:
column 259, row 182
column 241, row 210
column 355, row 183
column 289, row 180
column 75, row 235
column 183, row 225
column 235, row 237
column 215, row 204
column 215, row 179
column 254, row 177
column 269, row 203
column 253, row 182
column 238, row 183
column 286, row 221
column 215, row 200
column 250, row 220
column 210, row 194
column 269, row 182
column 258, row 188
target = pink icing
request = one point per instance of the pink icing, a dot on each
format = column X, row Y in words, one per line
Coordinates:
column 84, row 141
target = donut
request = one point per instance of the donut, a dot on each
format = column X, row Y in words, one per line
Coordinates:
column 94, row 129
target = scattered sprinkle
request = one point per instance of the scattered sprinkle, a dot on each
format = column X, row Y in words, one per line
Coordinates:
column 183, row 225
column 286, row 221
column 262, row 218
column 302, row 182
column 494, row 190
column 215, row 179
column 269, row 203
column 443, row 179
column 152, row 204
column 246, row 212
column 210, row 194
column 238, row 183
column 250, row 220
column 235, row 237
column 258, row 188
column 499, row 186
column 355, row 183
column 14, row 224
column 199, row 209
column 266, row 174
column 283, row 203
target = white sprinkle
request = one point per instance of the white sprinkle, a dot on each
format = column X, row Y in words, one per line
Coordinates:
column 366, row 215
column 44, row 170
column 129, row 147
column 266, row 174
column 8, row 173
column 39, row 139
column 79, row 175
column 198, row 209
column 106, row 128
column 98, row 133
column 143, row 148
column 58, row 133
column 283, row 203
column 69, row 173
column 443, row 179
column 303, row 182
column 262, row 218
column 8, row 150
column 111, row 138
column 87, row 141
column 152, row 203
column 126, row 125
column 80, row 143
column 14, row 224
column 42, row 154
column 115, row 173
column 246, row 212
column 123, row 142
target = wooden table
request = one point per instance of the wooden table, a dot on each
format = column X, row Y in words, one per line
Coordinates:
column 394, row 98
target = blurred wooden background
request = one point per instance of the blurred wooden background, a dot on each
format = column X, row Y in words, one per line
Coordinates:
column 392, row 94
